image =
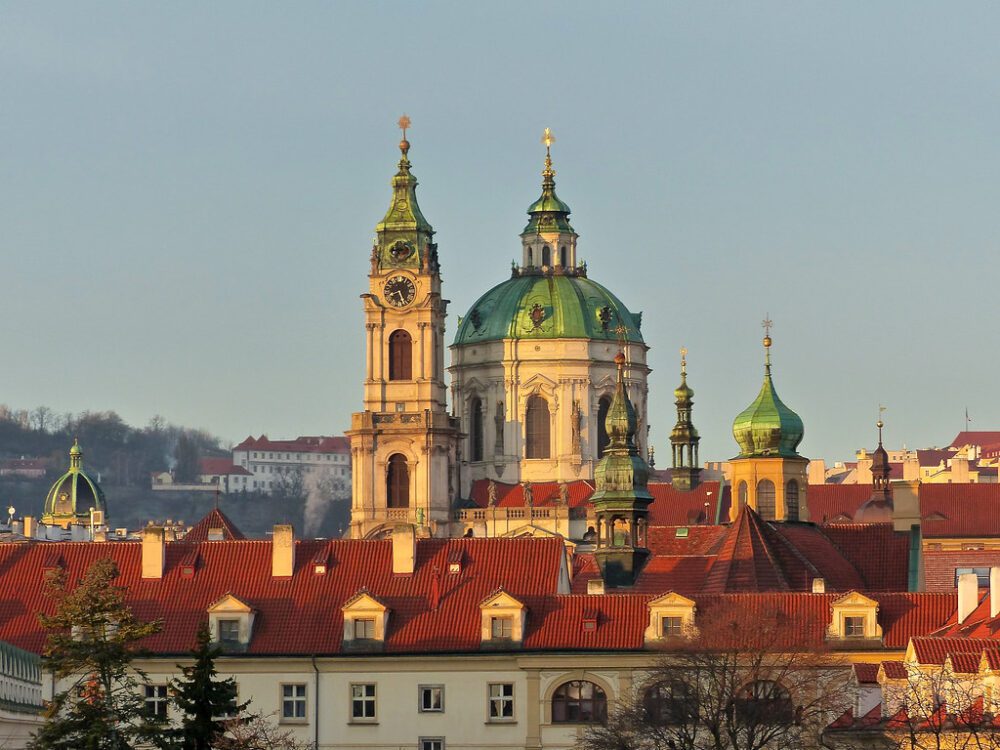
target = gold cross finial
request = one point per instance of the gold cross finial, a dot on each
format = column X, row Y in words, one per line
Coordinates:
column 404, row 124
column 684, row 353
column 548, row 139
column 880, row 424
column 766, row 324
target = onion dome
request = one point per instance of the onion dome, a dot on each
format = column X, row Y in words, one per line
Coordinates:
column 767, row 427
column 684, row 430
column 548, row 213
column 621, row 476
column 73, row 495
column 548, row 307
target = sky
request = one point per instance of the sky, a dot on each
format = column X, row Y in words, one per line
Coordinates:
column 190, row 190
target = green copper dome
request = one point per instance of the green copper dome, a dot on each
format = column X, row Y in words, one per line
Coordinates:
column 767, row 427
column 73, row 494
column 548, row 306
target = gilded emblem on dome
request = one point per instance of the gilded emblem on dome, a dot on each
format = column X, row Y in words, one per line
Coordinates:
column 476, row 319
column 537, row 316
column 604, row 315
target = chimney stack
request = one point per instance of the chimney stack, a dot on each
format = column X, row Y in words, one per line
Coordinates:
column 968, row 595
column 30, row 527
column 404, row 549
column 819, row 585
column 994, row 592
column 283, row 551
column 154, row 554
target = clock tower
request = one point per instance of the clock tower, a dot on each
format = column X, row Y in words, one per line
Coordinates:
column 403, row 445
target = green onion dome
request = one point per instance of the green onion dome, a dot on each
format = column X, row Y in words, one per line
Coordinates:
column 536, row 305
column 73, row 494
column 767, row 427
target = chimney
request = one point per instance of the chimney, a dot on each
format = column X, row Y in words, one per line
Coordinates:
column 968, row 595
column 817, row 471
column 960, row 469
column 595, row 586
column 30, row 527
column 911, row 468
column 404, row 549
column 283, row 551
column 994, row 592
column 153, row 552
column 819, row 585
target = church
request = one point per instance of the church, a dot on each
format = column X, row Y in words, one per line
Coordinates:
column 534, row 368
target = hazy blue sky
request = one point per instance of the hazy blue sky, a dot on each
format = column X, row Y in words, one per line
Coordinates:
column 189, row 192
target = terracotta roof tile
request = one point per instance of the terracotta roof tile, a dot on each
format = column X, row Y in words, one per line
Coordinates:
column 215, row 519
column 880, row 555
column 542, row 493
column 965, row 510
column 866, row 673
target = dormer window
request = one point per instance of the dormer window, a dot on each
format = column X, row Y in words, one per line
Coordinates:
column 365, row 621
column 230, row 622
column 670, row 616
column 854, row 616
column 503, row 619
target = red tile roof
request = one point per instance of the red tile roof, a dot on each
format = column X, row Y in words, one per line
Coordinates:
column 879, row 554
column 894, row 670
column 866, row 674
column 216, row 519
column 934, row 650
column 220, row 466
column 975, row 437
column 940, row 565
column 542, row 493
column 301, row 444
column 835, row 503
column 970, row 510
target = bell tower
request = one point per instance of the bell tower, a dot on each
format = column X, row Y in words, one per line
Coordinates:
column 403, row 444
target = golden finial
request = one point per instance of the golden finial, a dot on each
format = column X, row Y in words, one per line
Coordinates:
column 766, row 324
column 548, row 139
column 880, row 424
column 684, row 364
column 404, row 125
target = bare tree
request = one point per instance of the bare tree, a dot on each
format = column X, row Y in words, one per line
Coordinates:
column 728, row 686
column 258, row 732
column 932, row 707
column 41, row 418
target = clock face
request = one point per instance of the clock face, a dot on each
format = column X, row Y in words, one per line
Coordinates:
column 399, row 291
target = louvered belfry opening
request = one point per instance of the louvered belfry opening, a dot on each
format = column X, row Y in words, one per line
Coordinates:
column 400, row 356
column 398, row 482
column 536, row 429
column 602, row 428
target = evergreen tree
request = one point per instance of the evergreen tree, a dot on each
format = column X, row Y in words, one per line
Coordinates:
column 93, row 637
column 203, row 699
column 188, row 459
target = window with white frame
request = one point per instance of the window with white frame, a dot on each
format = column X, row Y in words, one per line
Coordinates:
column 155, row 701
column 363, row 701
column 293, row 702
column 432, row 743
column 854, row 626
column 364, row 628
column 501, row 627
column 672, row 626
column 229, row 630
column 501, row 701
column 431, row 698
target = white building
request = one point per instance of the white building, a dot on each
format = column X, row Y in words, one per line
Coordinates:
column 270, row 462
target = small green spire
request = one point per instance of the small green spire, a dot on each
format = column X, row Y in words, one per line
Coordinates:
column 684, row 437
column 75, row 456
column 621, row 476
column 548, row 213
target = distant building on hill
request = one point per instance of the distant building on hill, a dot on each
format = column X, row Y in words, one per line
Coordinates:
column 268, row 463
column 27, row 468
column 215, row 473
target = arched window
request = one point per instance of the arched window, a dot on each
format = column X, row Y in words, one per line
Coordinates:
column 531, row 257
column 546, row 256
column 792, row 500
column 579, row 702
column 742, row 494
column 536, row 428
column 602, row 428
column 562, row 257
column 764, row 702
column 476, row 429
column 400, row 356
column 397, row 482
column 765, row 499
column 670, row 702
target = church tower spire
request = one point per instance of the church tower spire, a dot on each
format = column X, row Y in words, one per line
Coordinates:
column 549, row 241
column 685, row 473
column 621, row 500
column 404, row 443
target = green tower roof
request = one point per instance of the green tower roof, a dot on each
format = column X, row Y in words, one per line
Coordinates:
column 621, row 476
column 767, row 427
column 548, row 213
column 548, row 306
column 73, row 494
